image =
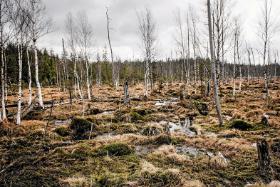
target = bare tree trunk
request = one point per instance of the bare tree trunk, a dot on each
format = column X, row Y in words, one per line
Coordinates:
column 3, row 103
column 88, row 82
column 39, row 89
column 146, row 77
column 264, row 161
column 147, row 31
column 234, row 64
column 6, row 77
column 249, row 66
column 240, row 77
column 77, row 80
column 29, row 78
column 4, row 115
column 114, row 66
column 19, row 84
column 213, row 64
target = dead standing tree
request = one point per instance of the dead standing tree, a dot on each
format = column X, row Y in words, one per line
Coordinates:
column 71, row 30
column 85, row 34
column 236, row 55
column 213, row 66
column 221, row 16
column 115, row 67
column 5, row 18
column 267, row 30
column 181, row 40
column 147, row 31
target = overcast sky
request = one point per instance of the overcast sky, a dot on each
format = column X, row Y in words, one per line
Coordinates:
column 125, row 36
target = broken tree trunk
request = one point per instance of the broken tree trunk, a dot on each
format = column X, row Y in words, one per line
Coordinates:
column 126, row 94
column 264, row 161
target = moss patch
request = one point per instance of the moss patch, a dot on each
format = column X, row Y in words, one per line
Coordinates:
column 241, row 125
column 116, row 149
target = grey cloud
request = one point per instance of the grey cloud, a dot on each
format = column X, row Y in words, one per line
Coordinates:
column 125, row 37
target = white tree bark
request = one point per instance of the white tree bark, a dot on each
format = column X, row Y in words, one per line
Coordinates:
column 4, row 116
column 29, row 78
column 240, row 78
column 19, row 84
column 147, row 31
column 3, row 95
column 88, row 82
column 38, row 85
column 213, row 67
column 234, row 66
column 77, row 82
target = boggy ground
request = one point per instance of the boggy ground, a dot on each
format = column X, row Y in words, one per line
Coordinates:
column 151, row 142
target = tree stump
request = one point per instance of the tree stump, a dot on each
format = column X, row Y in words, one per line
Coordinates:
column 265, row 120
column 126, row 94
column 264, row 161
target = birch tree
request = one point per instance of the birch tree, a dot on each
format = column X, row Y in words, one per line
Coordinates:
column 147, row 33
column 71, row 30
column 40, row 25
column 213, row 66
column 195, row 40
column 221, row 16
column 181, row 41
column 29, row 77
column 85, row 34
column 267, row 30
column 98, row 70
column 20, row 23
column 5, row 11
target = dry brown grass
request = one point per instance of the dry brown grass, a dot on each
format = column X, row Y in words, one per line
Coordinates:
column 169, row 152
column 193, row 183
column 75, row 181
column 271, row 184
column 148, row 167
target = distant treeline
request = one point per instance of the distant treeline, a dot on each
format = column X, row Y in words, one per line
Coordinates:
column 52, row 69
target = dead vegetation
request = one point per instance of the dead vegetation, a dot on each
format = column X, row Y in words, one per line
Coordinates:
column 117, row 145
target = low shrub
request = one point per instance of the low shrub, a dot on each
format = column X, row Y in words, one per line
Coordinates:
column 162, row 139
column 136, row 117
column 161, row 178
column 81, row 127
column 63, row 131
column 151, row 131
column 241, row 125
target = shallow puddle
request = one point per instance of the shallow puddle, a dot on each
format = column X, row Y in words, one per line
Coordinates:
column 62, row 122
column 171, row 101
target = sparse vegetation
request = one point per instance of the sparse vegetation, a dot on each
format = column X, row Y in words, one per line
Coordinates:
column 205, row 113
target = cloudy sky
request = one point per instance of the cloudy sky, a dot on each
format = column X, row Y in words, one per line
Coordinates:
column 125, row 36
